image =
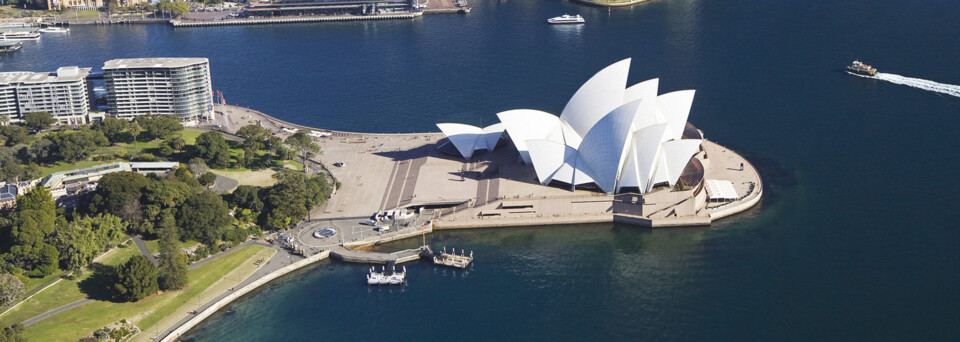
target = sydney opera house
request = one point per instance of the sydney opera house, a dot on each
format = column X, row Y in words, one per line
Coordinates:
column 609, row 136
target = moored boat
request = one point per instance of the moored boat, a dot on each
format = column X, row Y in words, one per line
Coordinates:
column 861, row 69
column 54, row 29
column 566, row 19
column 20, row 35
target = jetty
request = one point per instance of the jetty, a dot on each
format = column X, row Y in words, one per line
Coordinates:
column 292, row 20
column 451, row 259
column 365, row 257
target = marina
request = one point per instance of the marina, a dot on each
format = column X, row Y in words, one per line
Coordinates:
column 385, row 277
column 451, row 259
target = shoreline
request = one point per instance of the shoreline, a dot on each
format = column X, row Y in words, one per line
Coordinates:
column 606, row 4
column 594, row 208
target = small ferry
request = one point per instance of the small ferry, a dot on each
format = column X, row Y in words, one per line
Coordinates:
column 861, row 69
column 55, row 29
column 20, row 35
column 566, row 19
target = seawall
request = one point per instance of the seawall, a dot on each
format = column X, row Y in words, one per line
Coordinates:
column 199, row 317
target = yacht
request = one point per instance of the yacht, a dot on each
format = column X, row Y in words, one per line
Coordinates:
column 55, row 29
column 566, row 19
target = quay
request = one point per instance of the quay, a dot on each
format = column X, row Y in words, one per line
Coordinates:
column 345, row 254
column 290, row 20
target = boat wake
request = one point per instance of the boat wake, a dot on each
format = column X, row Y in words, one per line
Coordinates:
column 949, row 89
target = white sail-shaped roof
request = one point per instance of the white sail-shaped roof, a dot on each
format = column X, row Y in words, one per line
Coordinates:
column 607, row 134
column 645, row 150
column 463, row 137
column 528, row 124
column 597, row 97
column 675, row 108
column 643, row 90
column 603, row 149
column 677, row 154
column 491, row 135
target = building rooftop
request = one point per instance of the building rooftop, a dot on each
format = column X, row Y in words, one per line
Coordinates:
column 163, row 62
column 8, row 192
column 61, row 75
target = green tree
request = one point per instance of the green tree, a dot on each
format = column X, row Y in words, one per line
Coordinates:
column 159, row 126
column 304, row 145
column 173, row 263
column 86, row 237
column 4, row 120
column 135, row 130
column 213, row 149
column 13, row 135
column 13, row 333
column 255, row 137
column 175, row 7
column 77, row 145
column 119, row 194
column 38, row 121
column 36, row 217
column 203, row 217
column 247, row 197
column 11, row 288
column 112, row 128
column 135, row 279
column 207, row 179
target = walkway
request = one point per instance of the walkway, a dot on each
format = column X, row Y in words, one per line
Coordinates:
column 143, row 249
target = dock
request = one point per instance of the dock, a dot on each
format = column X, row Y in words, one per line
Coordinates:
column 291, row 20
column 363, row 257
column 452, row 259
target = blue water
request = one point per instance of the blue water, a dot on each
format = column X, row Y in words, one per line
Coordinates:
column 856, row 237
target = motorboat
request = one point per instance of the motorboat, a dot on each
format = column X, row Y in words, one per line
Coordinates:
column 55, row 29
column 20, row 35
column 861, row 69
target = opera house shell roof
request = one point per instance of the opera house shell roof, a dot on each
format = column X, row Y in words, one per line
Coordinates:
column 610, row 135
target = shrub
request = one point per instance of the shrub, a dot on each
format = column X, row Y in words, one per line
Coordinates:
column 145, row 157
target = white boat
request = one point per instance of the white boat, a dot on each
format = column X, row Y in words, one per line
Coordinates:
column 20, row 35
column 54, row 29
column 566, row 19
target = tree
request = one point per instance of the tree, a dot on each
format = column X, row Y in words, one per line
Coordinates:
column 12, row 135
column 11, row 288
column 248, row 158
column 135, row 130
column 203, row 217
column 77, row 145
column 13, row 333
column 207, row 179
column 38, row 121
column 159, row 126
column 198, row 166
column 247, row 197
column 35, row 217
column 173, row 263
column 255, row 137
column 119, row 194
column 135, row 279
column 4, row 120
column 213, row 149
column 304, row 145
column 170, row 145
column 175, row 7
column 112, row 128
column 86, row 237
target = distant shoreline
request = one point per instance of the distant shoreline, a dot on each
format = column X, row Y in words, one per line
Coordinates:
column 610, row 4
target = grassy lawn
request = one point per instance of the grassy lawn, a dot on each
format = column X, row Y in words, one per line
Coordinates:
column 66, row 291
column 154, row 245
column 62, row 166
column 73, row 324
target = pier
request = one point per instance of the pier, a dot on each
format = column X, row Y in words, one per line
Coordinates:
column 291, row 20
column 345, row 254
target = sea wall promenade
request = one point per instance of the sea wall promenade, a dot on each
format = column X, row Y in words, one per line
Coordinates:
column 290, row 20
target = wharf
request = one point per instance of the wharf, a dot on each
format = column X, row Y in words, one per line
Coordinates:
column 364, row 257
column 290, row 20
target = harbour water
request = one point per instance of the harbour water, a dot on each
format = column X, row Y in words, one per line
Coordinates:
column 856, row 237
